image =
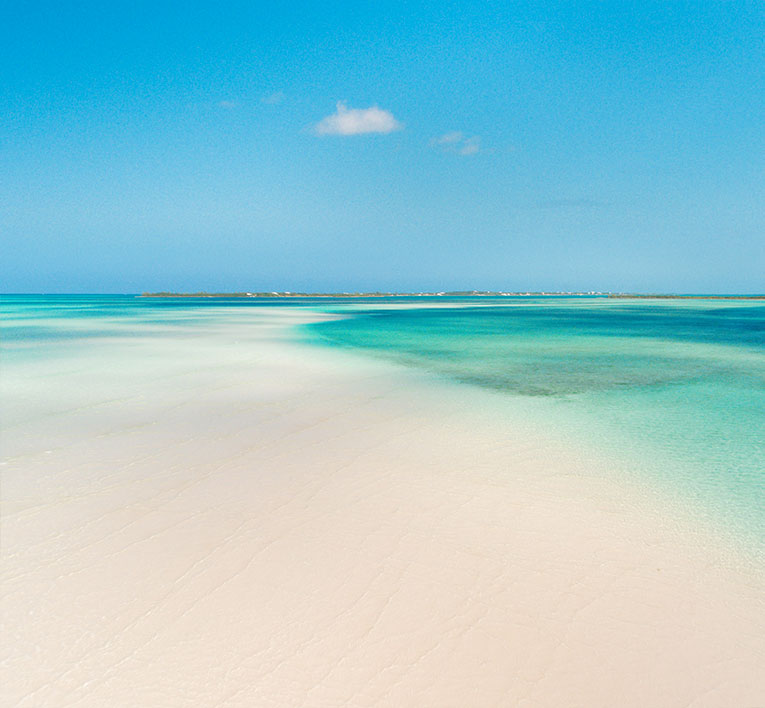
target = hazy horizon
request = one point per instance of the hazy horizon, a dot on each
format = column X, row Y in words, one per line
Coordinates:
column 372, row 291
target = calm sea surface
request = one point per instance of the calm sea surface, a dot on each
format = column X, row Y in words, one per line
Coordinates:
column 675, row 388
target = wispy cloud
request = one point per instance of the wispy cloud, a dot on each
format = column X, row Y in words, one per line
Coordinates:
column 357, row 121
column 448, row 138
column 228, row 104
column 273, row 98
column 455, row 141
column 471, row 146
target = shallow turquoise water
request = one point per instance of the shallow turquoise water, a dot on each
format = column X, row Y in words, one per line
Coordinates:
column 673, row 389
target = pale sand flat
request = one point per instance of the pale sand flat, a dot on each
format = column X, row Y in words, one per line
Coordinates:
column 216, row 523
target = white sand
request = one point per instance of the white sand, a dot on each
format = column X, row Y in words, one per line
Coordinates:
column 223, row 523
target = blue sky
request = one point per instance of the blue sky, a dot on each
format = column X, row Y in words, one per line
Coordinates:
column 397, row 146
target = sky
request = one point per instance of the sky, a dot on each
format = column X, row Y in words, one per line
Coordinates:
column 250, row 146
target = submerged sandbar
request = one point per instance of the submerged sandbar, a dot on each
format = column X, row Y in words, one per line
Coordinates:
column 234, row 518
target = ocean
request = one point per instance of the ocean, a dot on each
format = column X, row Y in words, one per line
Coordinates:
column 451, row 501
column 672, row 390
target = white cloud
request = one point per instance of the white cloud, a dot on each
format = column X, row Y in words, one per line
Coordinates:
column 273, row 98
column 228, row 104
column 471, row 146
column 455, row 141
column 357, row 121
column 448, row 138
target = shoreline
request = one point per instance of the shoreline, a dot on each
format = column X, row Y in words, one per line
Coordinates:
column 257, row 520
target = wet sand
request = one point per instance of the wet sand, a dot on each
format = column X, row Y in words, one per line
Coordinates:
column 235, row 519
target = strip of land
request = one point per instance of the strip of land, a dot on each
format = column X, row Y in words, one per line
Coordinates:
column 287, row 294
column 687, row 297
column 456, row 293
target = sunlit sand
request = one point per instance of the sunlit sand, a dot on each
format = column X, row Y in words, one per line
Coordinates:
column 237, row 519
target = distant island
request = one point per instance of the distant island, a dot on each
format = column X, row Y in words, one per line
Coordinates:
column 688, row 297
column 453, row 293
column 287, row 293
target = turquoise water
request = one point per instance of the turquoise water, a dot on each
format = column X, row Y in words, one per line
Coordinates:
column 675, row 389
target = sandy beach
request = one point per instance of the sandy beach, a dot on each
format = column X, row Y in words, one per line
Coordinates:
column 240, row 519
